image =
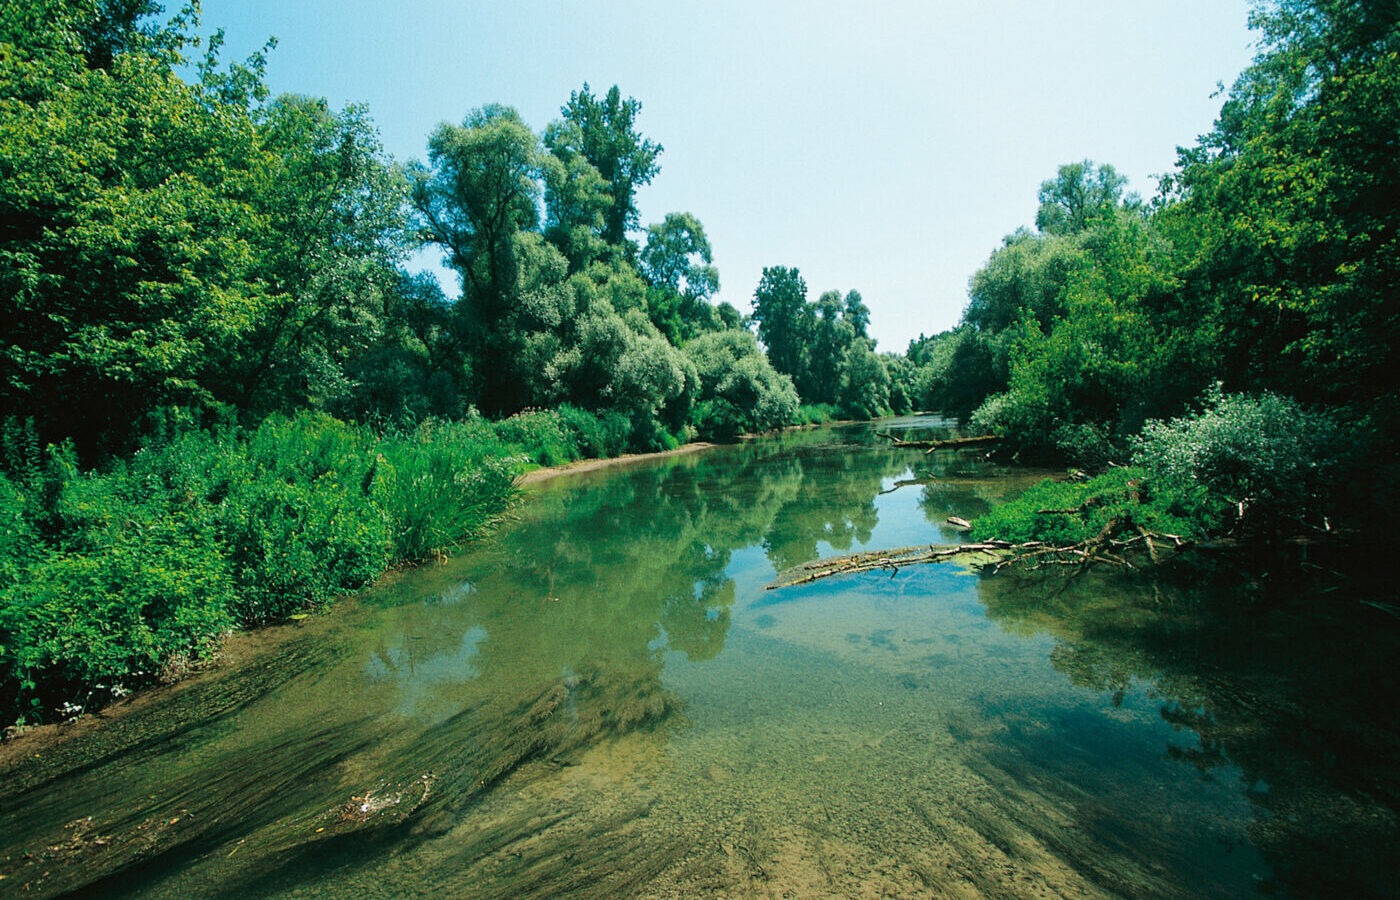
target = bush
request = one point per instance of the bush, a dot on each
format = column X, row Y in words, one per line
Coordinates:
column 1261, row 453
column 298, row 522
column 598, row 435
column 815, row 414
column 739, row 391
column 108, row 577
column 993, row 416
column 441, row 486
column 542, row 436
column 1087, row 444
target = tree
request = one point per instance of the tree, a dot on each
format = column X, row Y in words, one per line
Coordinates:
column 576, row 197
column 677, row 257
column 1293, row 201
column 832, row 334
column 1080, row 193
column 1027, row 274
column 865, row 382
column 479, row 197
column 127, row 241
column 335, row 208
column 609, row 140
column 676, row 260
column 783, row 318
column 856, row 313
column 738, row 390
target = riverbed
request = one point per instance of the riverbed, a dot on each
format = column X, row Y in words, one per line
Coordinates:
column 605, row 700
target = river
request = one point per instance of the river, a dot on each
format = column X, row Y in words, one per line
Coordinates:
column 605, row 701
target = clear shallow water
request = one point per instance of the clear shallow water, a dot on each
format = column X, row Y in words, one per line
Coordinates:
column 606, row 702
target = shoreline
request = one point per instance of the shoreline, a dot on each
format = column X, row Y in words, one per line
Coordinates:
column 14, row 743
column 579, row 466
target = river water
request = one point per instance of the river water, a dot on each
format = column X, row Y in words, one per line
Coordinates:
column 605, row 701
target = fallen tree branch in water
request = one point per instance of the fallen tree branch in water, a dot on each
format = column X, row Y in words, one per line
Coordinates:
column 884, row 559
column 1105, row 547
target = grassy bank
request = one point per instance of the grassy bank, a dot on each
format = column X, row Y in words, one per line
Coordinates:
column 121, row 577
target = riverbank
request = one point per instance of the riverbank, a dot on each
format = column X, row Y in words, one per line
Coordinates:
column 579, row 466
column 174, row 679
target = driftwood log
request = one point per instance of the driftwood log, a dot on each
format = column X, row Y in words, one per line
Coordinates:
column 945, row 443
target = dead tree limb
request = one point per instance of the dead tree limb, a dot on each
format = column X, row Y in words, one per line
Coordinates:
column 1104, row 548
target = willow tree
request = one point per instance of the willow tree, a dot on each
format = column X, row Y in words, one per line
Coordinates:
column 479, row 197
column 608, row 138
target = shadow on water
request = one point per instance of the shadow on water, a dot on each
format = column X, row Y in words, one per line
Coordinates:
column 1293, row 702
column 604, row 702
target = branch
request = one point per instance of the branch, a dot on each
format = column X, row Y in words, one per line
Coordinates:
column 1031, row 555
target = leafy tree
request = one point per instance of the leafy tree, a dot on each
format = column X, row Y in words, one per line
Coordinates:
column 1294, row 203
column 676, row 260
column 1081, row 385
column 417, row 370
column 783, row 318
column 1027, row 274
column 738, row 390
column 127, row 243
column 904, row 391
column 654, row 382
column 336, row 230
column 609, row 140
column 478, row 199
column 1079, row 194
column 865, row 382
column 677, row 257
column 576, row 197
column 856, row 313
column 831, row 336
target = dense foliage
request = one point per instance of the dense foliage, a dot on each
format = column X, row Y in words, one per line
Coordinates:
column 1248, row 465
column 1266, row 265
column 824, row 348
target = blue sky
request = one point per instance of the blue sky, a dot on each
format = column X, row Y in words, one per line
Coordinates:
column 885, row 147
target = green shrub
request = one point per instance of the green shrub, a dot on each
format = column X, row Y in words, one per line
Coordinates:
column 814, row 414
column 1088, row 444
column 993, row 416
column 738, row 390
column 1262, row 453
column 109, row 578
column 598, row 435
column 299, row 522
column 132, row 576
column 541, row 435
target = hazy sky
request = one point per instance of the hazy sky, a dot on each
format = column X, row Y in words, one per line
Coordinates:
column 885, row 146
